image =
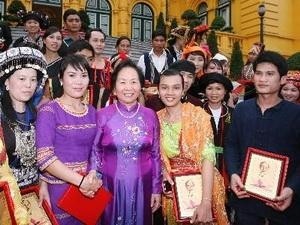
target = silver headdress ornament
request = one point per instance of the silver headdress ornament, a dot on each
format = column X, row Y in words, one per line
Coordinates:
column 22, row 57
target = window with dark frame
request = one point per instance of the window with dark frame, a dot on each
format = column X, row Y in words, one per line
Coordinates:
column 203, row 13
column 224, row 11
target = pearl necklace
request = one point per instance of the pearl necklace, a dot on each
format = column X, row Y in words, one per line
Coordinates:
column 131, row 116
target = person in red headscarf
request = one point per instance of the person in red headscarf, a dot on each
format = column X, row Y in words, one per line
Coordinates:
column 290, row 91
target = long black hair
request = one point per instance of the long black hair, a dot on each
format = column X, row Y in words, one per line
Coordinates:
column 10, row 115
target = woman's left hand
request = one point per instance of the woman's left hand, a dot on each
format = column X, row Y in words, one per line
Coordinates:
column 202, row 213
column 155, row 202
column 44, row 193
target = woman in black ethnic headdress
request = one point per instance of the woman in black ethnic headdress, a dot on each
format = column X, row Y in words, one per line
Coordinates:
column 22, row 73
column 34, row 22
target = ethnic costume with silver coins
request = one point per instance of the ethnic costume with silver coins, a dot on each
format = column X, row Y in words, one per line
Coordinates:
column 19, row 128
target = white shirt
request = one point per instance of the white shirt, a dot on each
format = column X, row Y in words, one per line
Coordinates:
column 216, row 115
column 158, row 61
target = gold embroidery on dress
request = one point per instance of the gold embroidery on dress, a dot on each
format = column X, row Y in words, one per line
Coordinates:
column 76, row 127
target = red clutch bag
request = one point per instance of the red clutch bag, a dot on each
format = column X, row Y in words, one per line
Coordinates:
column 77, row 205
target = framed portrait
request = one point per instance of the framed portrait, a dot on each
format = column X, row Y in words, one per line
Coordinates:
column 38, row 215
column 187, row 191
column 264, row 174
column 6, row 205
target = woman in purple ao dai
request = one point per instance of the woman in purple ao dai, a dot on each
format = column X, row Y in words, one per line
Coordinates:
column 126, row 152
column 66, row 128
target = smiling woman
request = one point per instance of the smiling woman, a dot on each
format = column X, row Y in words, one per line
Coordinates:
column 126, row 151
column 290, row 90
column 33, row 22
column 52, row 42
column 182, row 124
column 69, row 125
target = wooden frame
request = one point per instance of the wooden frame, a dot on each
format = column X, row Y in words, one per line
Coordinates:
column 38, row 215
column 6, row 205
column 264, row 174
column 187, row 191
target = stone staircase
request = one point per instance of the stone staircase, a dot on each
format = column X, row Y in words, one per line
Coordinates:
column 137, row 48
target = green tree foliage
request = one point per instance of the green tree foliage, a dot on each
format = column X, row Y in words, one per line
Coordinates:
column 237, row 63
column 85, row 19
column 160, row 25
column 190, row 18
column 294, row 61
column 212, row 42
column 15, row 6
column 218, row 23
column 194, row 23
column 188, row 15
column 173, row 23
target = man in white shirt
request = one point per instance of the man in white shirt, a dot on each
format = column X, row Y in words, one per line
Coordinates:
column 157, row 60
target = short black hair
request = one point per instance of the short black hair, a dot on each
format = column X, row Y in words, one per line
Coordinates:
column 123, row 64
column 121, row 39
column 170, row 73
column 78, row 46
column 76, row 61
column 89, row 33
column 69, row 12
column 157, row 33
column 216, row 62
column 184, row 65
column 51, row 30
column 274, row 58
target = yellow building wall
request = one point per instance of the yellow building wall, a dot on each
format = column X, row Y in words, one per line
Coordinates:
column 281, row 23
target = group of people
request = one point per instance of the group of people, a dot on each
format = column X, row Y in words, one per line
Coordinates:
column 71, row 116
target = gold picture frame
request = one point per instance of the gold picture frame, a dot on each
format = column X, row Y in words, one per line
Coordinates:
column 38, row 215
column 187, row 191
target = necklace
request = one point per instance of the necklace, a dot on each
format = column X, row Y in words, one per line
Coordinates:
column 74, row 113
column 125, row 116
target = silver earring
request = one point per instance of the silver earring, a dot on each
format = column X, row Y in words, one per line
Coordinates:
column 7, row 88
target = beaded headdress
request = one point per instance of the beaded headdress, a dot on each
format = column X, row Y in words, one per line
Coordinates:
column 180, row 32
column 22, row 57
column 293, row 76
column 40, row 17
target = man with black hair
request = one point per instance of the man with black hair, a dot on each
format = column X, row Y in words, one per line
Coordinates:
column 271, row 124
column 71, row 32
column 83, row 48
column 157, row 60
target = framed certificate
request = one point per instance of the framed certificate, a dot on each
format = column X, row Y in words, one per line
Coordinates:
column 264, row 174
column 6, row 205
column 38, row 215
column 187, row 192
